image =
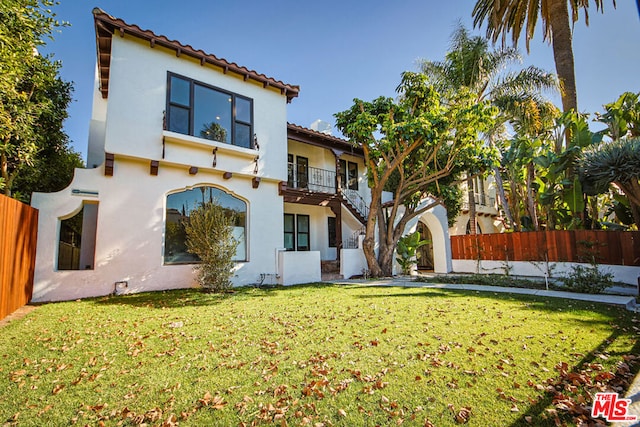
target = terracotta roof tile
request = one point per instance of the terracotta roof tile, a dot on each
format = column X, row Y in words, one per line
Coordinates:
column 310, row 136
column 106, row 25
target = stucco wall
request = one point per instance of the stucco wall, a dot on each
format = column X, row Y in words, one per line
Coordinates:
column 318, row 228
column 624, row 274
column 131, row 204
column 130, row 228
column 299, row 267
column 137, row 101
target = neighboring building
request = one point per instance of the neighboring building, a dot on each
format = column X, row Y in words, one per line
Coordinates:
column 488, row 218
column 173, row 127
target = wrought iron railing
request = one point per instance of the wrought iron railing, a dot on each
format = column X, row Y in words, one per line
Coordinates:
column 312, row 179
column 481, row 200
column 356, row 200
column 352, row 241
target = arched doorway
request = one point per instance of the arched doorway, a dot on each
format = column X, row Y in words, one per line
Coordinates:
column 425, row 252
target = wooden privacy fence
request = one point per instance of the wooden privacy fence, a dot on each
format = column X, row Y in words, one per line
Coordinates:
column 605, row 247
column 18, row 233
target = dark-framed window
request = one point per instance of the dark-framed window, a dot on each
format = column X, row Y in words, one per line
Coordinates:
column 302, row 172
column 290, row 232
column 290, row 166
column 331, row 229
column 178, row 207
column 302, row 235
column 296, row 232
column 349, row 174
column 298, row 172
column 197, row 109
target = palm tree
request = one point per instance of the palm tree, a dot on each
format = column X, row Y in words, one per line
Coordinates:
column 471, row 65
column 512, row 16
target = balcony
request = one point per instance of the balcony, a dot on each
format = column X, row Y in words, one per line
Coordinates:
column 311, row 179
column 482, row 200
column 320, row 187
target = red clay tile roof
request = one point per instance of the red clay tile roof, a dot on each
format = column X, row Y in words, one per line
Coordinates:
column 107, row 25
column 310, row 136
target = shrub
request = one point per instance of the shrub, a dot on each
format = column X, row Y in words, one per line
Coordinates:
column 407, row 250
column 588, row 279
column 210, row 237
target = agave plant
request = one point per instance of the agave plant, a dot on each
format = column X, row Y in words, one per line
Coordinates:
column 617, row 163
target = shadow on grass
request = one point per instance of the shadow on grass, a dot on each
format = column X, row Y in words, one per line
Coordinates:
column 197, row 297
column 538, row 411
column 534, row 302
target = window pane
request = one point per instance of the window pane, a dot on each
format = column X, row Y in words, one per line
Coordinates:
column 243, row 110
column 180, row 205
column 343, row 173
column 179, row 119
column 288, row 241
column 302, row 171
column 288, row 223
column 303, row 223
column 180, row 91
column 243, row 136
column 212, row 114
column 331, row 228
column 303, row 242
column 353, row 176
column 290, row 170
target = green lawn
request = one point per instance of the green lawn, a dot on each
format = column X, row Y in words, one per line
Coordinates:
column 307, row 355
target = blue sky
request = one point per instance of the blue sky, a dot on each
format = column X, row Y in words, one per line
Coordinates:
column 336, row 50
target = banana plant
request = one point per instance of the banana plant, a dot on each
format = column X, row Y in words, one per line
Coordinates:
column 407, row 250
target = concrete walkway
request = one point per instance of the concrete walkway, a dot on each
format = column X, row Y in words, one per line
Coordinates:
column 629, row 302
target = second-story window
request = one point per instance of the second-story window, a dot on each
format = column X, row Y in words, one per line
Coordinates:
column 349, row 174
column 197, row 109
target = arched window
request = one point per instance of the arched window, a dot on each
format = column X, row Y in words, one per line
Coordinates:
column 179, row 205
column 478, row 229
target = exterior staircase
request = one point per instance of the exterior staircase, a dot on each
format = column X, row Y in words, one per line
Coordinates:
column 355, row 204
column 330, row 270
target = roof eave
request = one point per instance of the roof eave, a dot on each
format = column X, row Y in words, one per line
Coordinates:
column 107, row 25
column 312, row 137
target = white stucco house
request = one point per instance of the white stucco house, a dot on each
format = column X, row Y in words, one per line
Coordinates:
column 488, row 217
column 172, row 127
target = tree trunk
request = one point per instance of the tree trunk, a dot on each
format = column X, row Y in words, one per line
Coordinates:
column 369, row 237
column 502, row 196
column 385, row 257
column 4, row 173
column 531, row 200
column 563, row 55
column 370, row 256
column 635, row 211
column 472, row 206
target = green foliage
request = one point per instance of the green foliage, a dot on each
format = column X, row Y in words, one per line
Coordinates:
column 33, row 99
column 210, row 237
column 407, row 250
column 622, row 116
column 416, row 146
column 587, row 279
column 214, row 131
column 611, row 162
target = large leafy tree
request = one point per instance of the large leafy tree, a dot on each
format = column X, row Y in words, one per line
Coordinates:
column 515, row 16
column 517, row 93
column 33, row 98
column 416, row 145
